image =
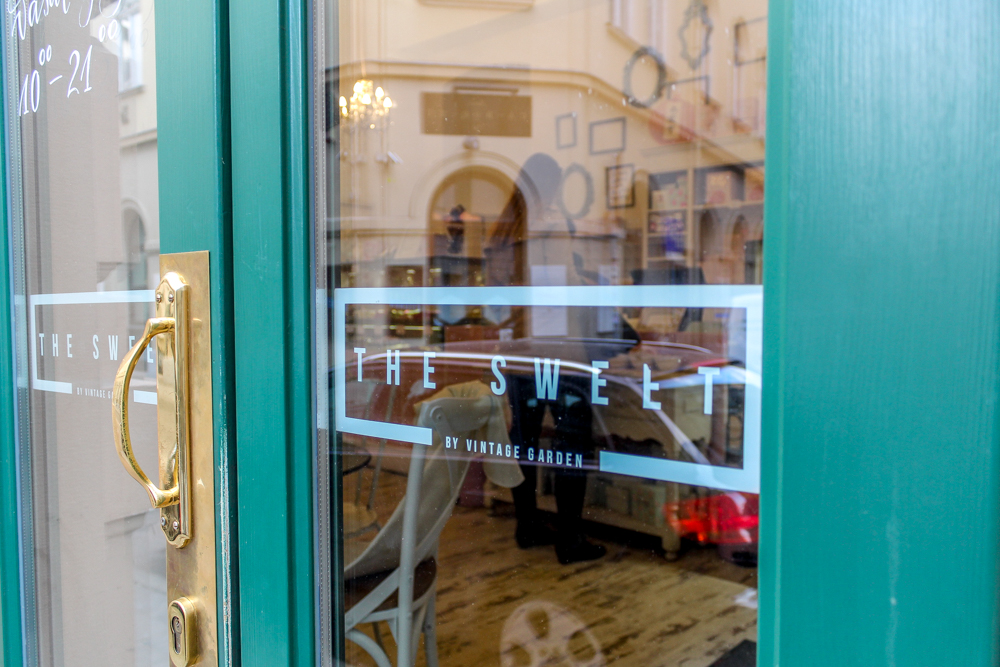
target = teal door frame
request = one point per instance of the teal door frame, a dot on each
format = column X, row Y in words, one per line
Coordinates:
column 880, row 535
column 270, row 74
column 881, row 429
column 234, row 138
column 10, row 569
column 193, row 154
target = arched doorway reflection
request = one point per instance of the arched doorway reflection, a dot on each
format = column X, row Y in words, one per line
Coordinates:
column 465, row 212
column 469, row 212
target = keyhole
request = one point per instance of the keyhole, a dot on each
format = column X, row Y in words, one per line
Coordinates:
column 175, row 628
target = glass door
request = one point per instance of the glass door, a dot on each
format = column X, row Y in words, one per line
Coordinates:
column 91, row 569
column 85, row 219
column 543, row 264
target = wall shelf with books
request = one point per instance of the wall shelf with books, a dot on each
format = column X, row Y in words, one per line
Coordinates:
column 668, row 225
column 693, row 212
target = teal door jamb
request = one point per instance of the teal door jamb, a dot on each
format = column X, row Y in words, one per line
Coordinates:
column 272, row 291
column 192, row 78
column 881, row 424
column 11, row 647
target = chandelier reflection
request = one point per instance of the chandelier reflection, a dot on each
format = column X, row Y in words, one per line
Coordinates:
column 367, row 105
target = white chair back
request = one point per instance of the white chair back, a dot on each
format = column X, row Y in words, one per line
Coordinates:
column 437, row 490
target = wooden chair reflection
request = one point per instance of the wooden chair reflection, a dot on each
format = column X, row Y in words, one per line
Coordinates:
column 360, row 517
column 394, row 578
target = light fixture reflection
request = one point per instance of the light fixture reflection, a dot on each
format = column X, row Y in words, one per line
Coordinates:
column 367, row 104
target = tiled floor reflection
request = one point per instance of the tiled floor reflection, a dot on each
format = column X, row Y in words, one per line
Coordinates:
column 630, row 608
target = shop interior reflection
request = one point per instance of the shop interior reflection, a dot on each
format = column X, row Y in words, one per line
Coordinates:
column 547, row 416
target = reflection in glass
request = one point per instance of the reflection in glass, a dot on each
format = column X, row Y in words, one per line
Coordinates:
column 85, row 225
column 544, row 328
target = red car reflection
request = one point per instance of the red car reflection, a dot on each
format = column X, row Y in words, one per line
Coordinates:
column 729, row 520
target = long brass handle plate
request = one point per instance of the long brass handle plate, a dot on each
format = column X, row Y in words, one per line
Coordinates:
column 170, row 329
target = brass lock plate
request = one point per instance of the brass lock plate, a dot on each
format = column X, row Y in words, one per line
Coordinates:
column 191, row 573
column 182, row 329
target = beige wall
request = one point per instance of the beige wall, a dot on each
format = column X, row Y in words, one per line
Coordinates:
column 564, row 54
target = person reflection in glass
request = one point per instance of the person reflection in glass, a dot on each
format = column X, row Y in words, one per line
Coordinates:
column 531, row 203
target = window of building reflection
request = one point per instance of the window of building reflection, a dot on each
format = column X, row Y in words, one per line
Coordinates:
column 615, row 147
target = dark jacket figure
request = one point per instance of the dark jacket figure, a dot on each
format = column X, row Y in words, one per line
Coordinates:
column 536, row 188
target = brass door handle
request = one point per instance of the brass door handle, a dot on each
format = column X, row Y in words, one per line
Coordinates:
column 119, row 400
column 173, row 500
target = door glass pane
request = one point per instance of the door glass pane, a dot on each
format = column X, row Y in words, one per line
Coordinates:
column 542, row 347
column 81, row 109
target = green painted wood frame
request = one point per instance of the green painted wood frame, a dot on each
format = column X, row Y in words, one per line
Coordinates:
column 243, row 125
column 235, row 141
column 10, row 576
column 270, row 74
column 193, row 136
column 881, row 457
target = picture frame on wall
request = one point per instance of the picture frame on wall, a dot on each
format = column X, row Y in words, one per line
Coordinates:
column 619, row 183
column 566, row 130
column 607, row 136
